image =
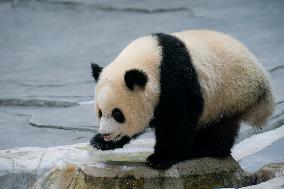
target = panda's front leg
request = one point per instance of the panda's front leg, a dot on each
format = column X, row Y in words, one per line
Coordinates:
column 172, row 146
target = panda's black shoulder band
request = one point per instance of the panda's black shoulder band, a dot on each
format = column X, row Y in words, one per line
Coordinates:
column 181, row 95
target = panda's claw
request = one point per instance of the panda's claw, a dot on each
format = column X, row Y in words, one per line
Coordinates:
column 159, row 165
column 157, row 162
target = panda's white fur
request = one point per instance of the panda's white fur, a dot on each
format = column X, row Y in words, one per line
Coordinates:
column 139, row 104
column 230, row 77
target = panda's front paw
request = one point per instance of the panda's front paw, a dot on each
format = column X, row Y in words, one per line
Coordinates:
column 156, row 161
column 98, row 142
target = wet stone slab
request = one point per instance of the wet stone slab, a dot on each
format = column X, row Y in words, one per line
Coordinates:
column 80, row 166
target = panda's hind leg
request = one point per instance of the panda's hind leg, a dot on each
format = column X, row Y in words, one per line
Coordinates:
column 217, row 139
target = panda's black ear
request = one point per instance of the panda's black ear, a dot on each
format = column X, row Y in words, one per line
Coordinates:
column 96, row 71
column 135, row 77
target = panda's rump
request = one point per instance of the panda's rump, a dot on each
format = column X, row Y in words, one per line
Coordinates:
column 231, row 79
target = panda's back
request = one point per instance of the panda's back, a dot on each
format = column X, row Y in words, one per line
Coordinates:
column 230, row 77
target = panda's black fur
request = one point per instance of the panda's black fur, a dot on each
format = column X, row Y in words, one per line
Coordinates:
column 180, row 105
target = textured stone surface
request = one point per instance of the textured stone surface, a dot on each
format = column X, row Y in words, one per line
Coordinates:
column 270, row 176
column 200, row 173
column 20, row 168
column 79, row 166
column 24, row 166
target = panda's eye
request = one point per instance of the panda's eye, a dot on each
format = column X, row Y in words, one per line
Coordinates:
column 100, row 113
column 118, row 115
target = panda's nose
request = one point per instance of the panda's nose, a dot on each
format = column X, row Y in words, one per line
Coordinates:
column 105, row 134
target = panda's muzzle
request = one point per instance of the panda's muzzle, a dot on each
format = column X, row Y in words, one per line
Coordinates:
column 110, row 137
column 109, row 126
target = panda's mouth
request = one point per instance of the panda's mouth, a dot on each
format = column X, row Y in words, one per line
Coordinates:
column 107, row 137
column 112, row 137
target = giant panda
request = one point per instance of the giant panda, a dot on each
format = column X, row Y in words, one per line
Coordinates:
column 194, row 88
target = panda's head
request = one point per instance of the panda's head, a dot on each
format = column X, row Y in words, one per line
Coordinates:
column 121, row 101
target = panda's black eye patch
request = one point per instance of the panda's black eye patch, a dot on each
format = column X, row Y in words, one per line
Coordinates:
column 118, row 115
column 100, row 113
